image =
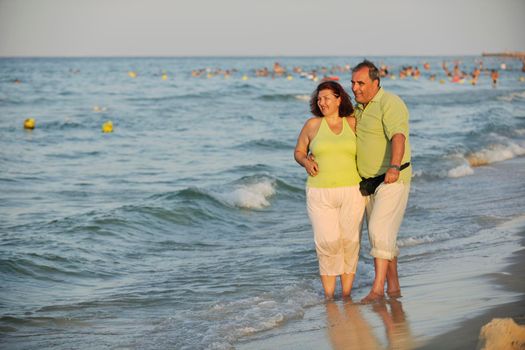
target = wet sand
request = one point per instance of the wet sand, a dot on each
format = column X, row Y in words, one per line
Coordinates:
column 466, row 335
column 416, row 320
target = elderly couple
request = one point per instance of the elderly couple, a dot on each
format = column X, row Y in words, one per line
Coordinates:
column 339, row 147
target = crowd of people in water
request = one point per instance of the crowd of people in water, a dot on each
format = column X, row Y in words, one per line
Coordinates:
column 453, row 72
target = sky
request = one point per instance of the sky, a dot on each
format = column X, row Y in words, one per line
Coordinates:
column 260, row 27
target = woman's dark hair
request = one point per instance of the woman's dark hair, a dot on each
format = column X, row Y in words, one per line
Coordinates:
column 345, row 108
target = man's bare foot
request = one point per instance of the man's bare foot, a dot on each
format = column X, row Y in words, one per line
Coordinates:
column 372, row 297
column 394, row 294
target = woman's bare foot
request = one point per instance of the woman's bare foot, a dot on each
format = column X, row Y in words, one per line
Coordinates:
column 372, row 297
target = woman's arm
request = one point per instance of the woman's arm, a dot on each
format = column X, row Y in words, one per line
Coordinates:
column 301, row 149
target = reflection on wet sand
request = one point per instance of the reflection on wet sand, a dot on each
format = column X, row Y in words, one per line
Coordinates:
column 349, row 329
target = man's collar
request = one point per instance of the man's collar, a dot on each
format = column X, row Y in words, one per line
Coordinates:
column 378, row 95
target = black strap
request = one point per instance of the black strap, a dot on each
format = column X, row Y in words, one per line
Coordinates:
column 404, row 166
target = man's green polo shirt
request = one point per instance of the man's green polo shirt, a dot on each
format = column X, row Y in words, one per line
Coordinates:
column 383, row 117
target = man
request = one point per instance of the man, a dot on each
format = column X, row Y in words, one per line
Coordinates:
column 382, row 148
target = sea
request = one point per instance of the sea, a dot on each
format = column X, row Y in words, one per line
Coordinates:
column 186, row 227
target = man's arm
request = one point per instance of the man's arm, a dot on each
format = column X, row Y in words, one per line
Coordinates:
column 398, row 151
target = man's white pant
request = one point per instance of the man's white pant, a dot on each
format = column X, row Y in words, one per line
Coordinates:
column 384, row 213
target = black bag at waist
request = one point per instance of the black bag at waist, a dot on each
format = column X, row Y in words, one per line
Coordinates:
column 369, row 186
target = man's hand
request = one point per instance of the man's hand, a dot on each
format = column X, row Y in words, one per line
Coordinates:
column 391, row 175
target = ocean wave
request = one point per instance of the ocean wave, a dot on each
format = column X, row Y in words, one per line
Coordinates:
column 285, row 97
column 65, row 124
column 188, row 96
column 265, row 144
column 460, row 171
column 453, row 98
column 250, row 192
column 513, row 96
column 419, row 240
column 303, row 97
column 51, row 269
column 492, row 154
column 463, row 162
column 11, row 323
column 225, row 322
column 253, row 195
column 250, row 169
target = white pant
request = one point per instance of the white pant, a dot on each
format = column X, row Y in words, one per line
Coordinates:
column 384, row 213
column 336, row 215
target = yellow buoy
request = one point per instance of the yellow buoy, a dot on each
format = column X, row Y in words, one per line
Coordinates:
column 245, row 77
column 442, row 81
column 107, row 127
column 132, row 74
column 289, row 77
column 522, row 79
column 29, row 123
column 164, row 76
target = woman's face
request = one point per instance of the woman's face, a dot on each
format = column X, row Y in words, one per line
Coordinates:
column 328, row 102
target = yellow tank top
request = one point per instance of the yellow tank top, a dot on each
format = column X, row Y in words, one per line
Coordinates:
column 336, row 157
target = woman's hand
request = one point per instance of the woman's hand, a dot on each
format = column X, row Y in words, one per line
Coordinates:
column 311, row 166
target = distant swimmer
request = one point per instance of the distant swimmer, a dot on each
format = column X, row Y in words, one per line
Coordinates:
column 445, row 69
column 416, row 73
column 475, row 75
column 278, row 69
column 494, row 75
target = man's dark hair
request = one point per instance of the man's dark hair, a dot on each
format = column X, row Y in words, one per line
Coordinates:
column 345, row 108
column 373, row 72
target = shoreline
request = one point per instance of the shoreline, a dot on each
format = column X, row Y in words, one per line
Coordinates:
column 412, row 322
column 466, row 335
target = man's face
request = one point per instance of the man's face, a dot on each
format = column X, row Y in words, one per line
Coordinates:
column 363, row 87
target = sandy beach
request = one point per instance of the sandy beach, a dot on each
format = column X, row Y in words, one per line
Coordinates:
column 466, row 335
column 443, row 307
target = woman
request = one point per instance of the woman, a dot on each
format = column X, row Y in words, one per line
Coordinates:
column 335, row 205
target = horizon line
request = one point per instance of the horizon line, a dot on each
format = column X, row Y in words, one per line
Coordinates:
column 259, row 56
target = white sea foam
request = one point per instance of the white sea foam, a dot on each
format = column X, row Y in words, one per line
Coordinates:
column 415, row 241
column 460, row 171
column 492, row 154
column 513, row 96
column 417, row 173
column 251, row 315
column 302, row 97
column 250, row 196
column 495, row 153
